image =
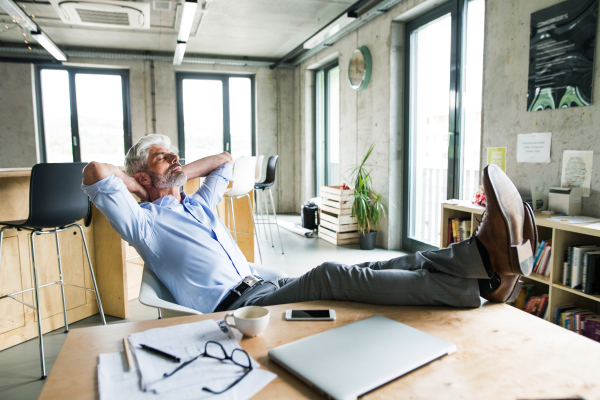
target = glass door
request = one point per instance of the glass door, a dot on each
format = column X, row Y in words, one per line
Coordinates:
column 428, row 130
column 215, row 114
column 327, row 126
column 83, row 114
column 444, row 53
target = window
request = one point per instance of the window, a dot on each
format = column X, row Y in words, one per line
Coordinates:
column 327, row 126
column 215, row 113
column 443, row 131
column 83, row 114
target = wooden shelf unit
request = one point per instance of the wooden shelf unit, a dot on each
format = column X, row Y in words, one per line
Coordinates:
column 562, row 236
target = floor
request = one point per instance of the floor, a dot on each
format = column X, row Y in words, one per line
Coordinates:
column 20, row 365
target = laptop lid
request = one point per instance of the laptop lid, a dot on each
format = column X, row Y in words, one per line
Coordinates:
column 349, row 361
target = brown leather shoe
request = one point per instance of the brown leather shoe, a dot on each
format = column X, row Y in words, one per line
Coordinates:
column 510, row 285
column 501, row 231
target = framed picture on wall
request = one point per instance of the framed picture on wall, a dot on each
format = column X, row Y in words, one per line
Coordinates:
column 561, row 55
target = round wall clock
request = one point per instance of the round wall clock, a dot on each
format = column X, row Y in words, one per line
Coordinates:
column 359, row 69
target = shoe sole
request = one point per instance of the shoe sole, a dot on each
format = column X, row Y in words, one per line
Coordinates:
column 520, row 256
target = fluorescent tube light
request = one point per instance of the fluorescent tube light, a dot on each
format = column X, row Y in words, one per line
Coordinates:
column 49, row 45
column 18, row 15
column 329, row 31
column 179, row 52
column 187, row 19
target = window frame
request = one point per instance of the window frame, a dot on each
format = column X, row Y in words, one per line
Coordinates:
column 224, row 78
column 325, row 70
column 75, row 139
column 457, row 10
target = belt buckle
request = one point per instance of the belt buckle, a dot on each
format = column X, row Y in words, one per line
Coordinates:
column 250, row 280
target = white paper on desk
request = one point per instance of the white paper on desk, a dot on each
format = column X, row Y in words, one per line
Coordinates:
column 576, row 219
column 185, row 341
column 116, row 383
column 534, row 147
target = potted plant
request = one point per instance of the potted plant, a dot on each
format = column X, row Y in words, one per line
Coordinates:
column 366, row 204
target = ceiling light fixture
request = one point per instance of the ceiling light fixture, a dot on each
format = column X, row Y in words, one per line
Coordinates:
column 18, row 15
column 49, row 45
column 187, row 19
column 21, row 18
column 179, row 52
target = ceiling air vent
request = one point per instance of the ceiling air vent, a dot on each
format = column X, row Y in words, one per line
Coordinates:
column 104, row 13
column 162, row 5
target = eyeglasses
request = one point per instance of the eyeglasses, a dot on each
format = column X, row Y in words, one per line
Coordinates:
column 215, row 350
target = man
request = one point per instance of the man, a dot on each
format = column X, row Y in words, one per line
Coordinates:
column 190, row 250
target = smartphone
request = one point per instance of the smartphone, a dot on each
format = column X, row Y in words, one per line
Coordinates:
column 310, row 315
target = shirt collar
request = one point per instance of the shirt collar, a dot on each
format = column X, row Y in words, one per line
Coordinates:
column 170, row 200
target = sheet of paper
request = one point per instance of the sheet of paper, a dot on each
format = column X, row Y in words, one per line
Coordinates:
column 534, row 147
column 185, row 341
column 577, row 170
column 578, row 219
column 594, row 226
column 116, row 383
column 497, row 155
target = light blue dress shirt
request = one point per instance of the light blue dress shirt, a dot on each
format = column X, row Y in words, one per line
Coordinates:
column 186, row 245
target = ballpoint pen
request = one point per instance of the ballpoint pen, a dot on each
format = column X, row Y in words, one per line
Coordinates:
column 160, row 353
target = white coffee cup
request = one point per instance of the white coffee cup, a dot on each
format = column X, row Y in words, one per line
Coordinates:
column 250, row 320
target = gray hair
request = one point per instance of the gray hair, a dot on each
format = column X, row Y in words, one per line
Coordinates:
column 136, row 159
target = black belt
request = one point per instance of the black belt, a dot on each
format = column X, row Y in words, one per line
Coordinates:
column 236, row 292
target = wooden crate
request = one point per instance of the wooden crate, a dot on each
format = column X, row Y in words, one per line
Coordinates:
column 337, row 238
column 337, row 225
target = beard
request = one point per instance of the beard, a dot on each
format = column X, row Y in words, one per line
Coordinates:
column 168, row 180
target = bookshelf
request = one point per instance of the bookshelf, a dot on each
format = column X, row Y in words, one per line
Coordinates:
column 562, row 236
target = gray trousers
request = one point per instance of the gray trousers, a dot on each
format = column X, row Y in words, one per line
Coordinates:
column 446, row 277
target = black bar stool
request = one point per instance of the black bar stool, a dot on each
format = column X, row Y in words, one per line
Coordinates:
column 266, row 185
column 56, row 203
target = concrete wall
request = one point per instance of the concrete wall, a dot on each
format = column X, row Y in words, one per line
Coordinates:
column 505, row 115
column 274, row 113
column 17, row 116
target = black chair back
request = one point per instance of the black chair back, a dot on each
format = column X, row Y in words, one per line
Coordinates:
column 55, row 195
column 271, row 170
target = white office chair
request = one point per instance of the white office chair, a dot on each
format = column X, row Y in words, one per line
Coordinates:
column 154, row 294
column 244, row 172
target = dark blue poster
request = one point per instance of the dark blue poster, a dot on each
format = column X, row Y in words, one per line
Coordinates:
column 561, row 55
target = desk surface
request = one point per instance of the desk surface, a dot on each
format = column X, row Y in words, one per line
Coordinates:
column 503, row 353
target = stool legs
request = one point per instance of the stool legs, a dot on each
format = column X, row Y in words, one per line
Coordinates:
column 62, row 288
column 92, row 274
column 37, row 306
column 268, row 220
column 233, row 218
column 255, row 232
column 275, row 215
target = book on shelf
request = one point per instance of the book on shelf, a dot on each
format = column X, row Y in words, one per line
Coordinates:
column 538, row 253
column 581, row 321
column 591, row 327
column 523, row 297
column 541, row 266
column 558, row 310
column 591, row 272
column 541, row 311
column 576, row 278
column 459, row 230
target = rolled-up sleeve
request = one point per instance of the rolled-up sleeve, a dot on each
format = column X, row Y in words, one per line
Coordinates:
column 111, row 197
column 213, row 187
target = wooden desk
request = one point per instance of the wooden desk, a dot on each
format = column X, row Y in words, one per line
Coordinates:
column 108, row 253
column 503, row 353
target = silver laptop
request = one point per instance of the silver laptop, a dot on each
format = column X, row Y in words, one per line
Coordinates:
column 349, row 361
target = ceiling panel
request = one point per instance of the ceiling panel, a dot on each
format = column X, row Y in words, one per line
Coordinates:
column 257, row 28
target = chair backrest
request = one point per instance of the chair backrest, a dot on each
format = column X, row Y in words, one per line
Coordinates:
column 244, row 170
column 259, row 161
column 271, row 169
column 55, row 195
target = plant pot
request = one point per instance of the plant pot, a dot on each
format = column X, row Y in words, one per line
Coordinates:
column 367, row 240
